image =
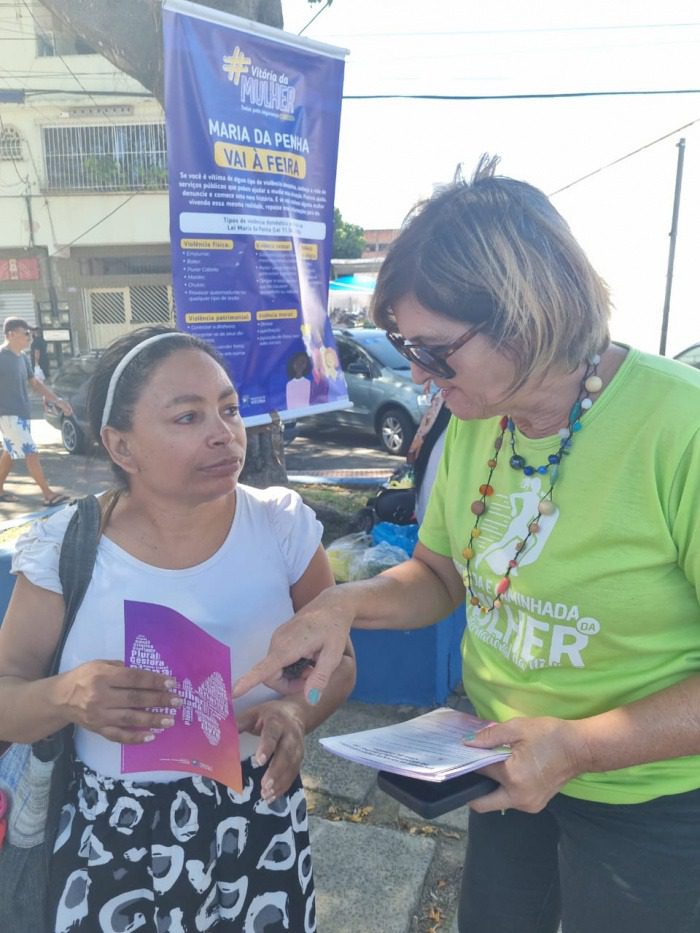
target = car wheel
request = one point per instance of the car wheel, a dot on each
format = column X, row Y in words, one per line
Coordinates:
column 396, row 430
column 73, row 438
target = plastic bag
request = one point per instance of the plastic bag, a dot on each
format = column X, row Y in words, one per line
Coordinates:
column 403, row 536
column 374, row 560
column 343, row 550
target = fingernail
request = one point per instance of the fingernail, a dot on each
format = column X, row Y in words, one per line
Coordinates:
column 167, row 721
column 176, row 701
column 314, row 696
column 170, row 683
column 260, row 759
column 148, row 737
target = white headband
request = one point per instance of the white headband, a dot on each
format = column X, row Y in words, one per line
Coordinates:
column 121, row 366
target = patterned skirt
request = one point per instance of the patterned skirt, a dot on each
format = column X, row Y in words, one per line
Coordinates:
column 182, row 857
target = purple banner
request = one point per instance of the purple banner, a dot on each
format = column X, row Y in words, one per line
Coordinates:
column 253, row 116
column 204, row 739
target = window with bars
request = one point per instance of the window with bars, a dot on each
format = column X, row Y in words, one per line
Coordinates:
column 110, row 157
column 134, row 305
column 10, row 144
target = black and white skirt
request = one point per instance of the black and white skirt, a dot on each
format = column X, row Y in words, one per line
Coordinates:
column 182, row 857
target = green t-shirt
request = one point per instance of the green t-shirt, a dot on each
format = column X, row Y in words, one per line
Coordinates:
column 604, row 607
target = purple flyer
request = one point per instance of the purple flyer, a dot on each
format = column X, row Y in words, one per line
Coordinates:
column 204, row 739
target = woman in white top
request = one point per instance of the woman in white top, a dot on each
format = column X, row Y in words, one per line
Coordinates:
column 167, row 850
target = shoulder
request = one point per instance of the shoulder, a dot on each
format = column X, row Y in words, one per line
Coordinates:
column 49, row 530
column 661, row 371
column 273, row 500
column 668, row 390
column 284, row 510
column 37, row 551
column 289, row 523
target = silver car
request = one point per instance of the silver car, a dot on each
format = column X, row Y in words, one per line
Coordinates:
column 691, row 356
column 386, row 401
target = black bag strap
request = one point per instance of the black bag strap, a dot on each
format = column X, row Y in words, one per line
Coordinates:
column 76, row 563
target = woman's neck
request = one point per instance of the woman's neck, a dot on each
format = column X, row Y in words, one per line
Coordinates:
column 170, row 534
column 542, row 409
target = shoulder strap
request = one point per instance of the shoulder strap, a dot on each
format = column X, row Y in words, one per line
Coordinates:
column 76, row 563
column 75, row 566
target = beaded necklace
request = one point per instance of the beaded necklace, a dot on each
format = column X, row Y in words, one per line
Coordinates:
column 591, row 384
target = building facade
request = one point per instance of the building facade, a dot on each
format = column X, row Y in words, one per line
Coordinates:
column 84, row 245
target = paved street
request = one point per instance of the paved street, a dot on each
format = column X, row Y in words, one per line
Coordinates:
column 328, row 452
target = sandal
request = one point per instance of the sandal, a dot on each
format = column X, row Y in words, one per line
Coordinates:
column 58, row 499
column 8, row 497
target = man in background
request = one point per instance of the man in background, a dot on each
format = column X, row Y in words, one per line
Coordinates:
column 40, row 355
column 16, row 375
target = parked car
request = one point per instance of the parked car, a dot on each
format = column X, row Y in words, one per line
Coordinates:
column 70, row 382
column 691, row 356
column 385, row 400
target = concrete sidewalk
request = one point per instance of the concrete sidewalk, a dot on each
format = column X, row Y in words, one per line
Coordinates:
column 379, row 867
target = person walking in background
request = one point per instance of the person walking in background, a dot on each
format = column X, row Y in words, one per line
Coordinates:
column 40, row 355
column 566, row 510
column 16, row 375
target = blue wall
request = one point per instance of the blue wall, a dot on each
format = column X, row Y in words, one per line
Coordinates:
column 7, row 581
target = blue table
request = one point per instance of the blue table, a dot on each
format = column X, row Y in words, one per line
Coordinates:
column 418, row 667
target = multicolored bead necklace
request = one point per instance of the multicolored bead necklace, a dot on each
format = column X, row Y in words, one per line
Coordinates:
column 591, row 384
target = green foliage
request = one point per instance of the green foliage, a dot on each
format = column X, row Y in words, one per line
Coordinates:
column 103, row 172
column 348, row 239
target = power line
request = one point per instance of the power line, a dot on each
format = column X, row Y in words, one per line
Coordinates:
column 514, row 32
column 627, row 155
column 552, row 96
column 455, row 97
column 62, row 59
column 315, row 16
column 96, row 224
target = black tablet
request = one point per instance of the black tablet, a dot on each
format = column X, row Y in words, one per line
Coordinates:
column 432, row 798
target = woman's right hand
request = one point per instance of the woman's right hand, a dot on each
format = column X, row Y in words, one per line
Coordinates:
column 318, row 632
column 118, row 702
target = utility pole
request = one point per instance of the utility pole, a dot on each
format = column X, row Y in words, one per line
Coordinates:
column 672, row 245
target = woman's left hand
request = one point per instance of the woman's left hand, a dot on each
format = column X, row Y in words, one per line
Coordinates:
column 546, row 753
column 281, row 729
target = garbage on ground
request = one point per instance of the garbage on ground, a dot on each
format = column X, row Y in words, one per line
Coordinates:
column 357, row 557
column 403, row 536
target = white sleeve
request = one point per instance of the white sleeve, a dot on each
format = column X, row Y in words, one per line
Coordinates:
column 37, row 551
column 295, row 526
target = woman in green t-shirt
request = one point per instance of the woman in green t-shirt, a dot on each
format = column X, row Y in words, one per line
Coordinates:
column 565, row 511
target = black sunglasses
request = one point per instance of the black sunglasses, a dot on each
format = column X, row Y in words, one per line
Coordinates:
column 432, row 359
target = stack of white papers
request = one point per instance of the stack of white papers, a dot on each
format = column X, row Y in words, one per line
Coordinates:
column 430, row 747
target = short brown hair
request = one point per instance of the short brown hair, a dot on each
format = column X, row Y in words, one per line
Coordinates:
column 494, row 252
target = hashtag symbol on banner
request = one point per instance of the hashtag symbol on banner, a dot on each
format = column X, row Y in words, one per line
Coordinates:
column 236, row 65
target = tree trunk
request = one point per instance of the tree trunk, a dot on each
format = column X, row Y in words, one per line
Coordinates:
column 129, row 34
column 264, row 461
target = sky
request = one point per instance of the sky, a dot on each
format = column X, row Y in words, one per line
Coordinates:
column 392, row 152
